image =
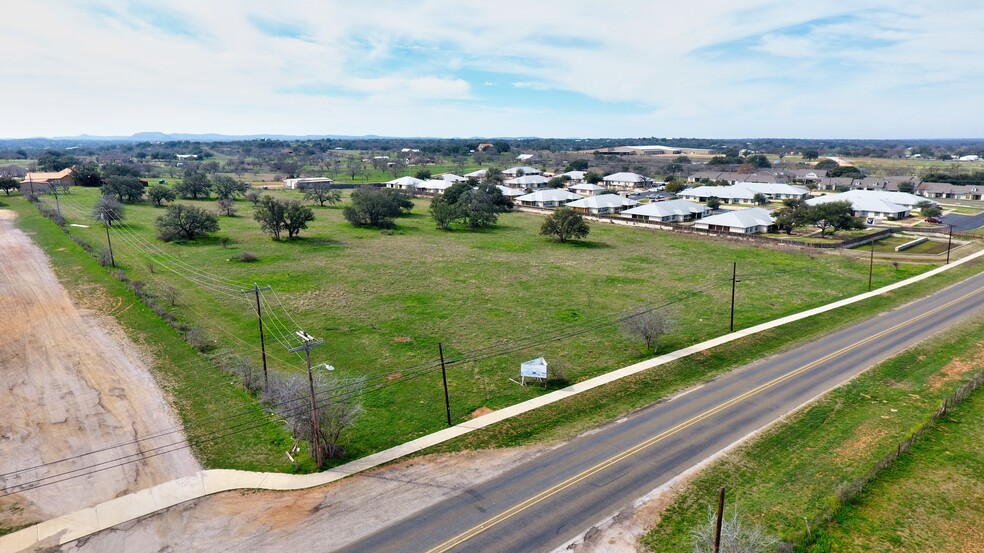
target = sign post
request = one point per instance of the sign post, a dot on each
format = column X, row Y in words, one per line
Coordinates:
column 534, row 368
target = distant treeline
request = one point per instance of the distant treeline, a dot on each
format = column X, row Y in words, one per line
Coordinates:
column 977, row 177
column 31, row 148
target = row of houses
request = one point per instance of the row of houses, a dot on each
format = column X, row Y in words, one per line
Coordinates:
column 821, row 181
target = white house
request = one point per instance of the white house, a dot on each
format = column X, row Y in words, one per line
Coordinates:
column 511, row 193
column 626, row 181
column 744, row 221
column 586, row 189
column 576, row 177
column 519, row 171
column 301, row 182
column 451, row 177
column 434, row 186
column 480, row 174
column 673, row 210
column 874, row 204
column 551, row 197
column 404, row 183
column 527, row 181
column 601, row 204
column 744, row 192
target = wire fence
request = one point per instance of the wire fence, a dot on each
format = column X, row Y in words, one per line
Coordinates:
column 849, row 491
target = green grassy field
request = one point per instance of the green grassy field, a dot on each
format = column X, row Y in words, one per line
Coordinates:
column 888, row 245
column 383, row 300
column 796, row 470
column 929, row 500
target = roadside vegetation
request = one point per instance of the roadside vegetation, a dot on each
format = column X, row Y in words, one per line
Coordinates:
column 801, row 473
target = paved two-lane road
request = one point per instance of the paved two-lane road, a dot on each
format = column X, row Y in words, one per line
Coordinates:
column 559, row 495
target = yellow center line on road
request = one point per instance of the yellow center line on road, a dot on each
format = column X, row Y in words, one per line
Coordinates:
column 587, row 473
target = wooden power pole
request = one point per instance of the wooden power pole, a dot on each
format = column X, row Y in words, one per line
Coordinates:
column 310, row 342
column 259, row 317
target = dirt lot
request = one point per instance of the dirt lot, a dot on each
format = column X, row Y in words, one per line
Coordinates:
column 70, row 384
column 322, row 519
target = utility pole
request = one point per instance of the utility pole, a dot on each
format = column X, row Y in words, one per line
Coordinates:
column 259, row 317
column 54, row 190
column 734, row 281
column 310, row 342
column 112, row 260
column 949, row 242
column 871, row 264
column 720, row 517
column 444, row 376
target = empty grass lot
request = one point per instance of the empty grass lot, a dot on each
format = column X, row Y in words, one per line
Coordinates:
column 382, row 301
column 931, row 499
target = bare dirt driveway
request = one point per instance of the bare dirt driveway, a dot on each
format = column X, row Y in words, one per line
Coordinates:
column 70, row 384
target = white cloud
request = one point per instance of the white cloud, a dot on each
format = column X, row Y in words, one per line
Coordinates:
column 709, row 68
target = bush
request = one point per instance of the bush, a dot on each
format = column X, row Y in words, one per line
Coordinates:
column 247, row 257
column 105, row 259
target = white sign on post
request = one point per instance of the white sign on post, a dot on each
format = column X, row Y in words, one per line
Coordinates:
column 535, row 368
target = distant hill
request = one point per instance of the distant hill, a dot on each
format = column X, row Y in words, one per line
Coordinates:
column 171, row 137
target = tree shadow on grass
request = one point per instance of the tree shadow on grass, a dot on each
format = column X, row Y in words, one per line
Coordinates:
column 319, row 241
column 587, row 244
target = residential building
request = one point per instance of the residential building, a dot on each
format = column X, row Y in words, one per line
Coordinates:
column 743, row 221
column 586, row 189
column 668, row 211
column 626, row 181
column 301, row 182
column 527, row 182
column 550, row 197
column 602, row 204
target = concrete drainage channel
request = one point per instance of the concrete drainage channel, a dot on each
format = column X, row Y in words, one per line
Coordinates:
column 70, row 527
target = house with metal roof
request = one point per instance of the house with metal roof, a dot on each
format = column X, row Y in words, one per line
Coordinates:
column 576, row 177
column 404, row 183
column 744, row 221
column 520, row 171
column 602, row 204
column 874, row 204
column 434, row 186
column 626, row 181
column 451, row 177
column 744, row 192
column 479, row 174
column 550, row 197
column 587, row 189
column 527, row 181
column 511, row 193
column 669, row 211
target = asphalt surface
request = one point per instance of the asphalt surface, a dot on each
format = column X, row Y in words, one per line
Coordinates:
column 964, row 222
column 557, row 497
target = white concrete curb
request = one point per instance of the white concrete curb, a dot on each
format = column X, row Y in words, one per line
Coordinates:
column 105, row 515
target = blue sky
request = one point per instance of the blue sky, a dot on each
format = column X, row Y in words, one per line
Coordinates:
column 760, row 68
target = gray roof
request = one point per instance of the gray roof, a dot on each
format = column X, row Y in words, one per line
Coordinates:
column 604, row 200
column 626, row 177
column 667, row 209
column 743, row 218
column 861, row 197
column 549, row 195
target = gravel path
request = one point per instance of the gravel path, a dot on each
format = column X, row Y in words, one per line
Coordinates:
column 70, row 384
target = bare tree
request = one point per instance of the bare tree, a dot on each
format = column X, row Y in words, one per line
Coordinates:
column 737, row 535
column 227, row 207
column 322, row 192
column 339, row 405
column 648, row 325
column 170, row 293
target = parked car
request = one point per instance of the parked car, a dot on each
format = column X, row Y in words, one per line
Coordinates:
column 933, row 220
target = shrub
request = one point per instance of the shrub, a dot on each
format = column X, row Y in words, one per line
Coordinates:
column 247, row 257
